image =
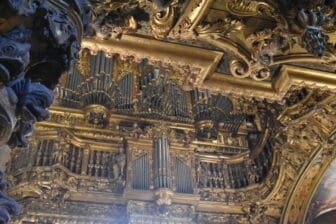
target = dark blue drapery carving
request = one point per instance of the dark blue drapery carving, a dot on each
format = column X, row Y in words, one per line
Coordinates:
column 39, row 41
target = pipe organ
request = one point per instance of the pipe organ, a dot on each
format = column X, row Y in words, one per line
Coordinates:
column 166, row 112
column 140, row 169
column 161, row 160
column 214, row 112
column 100, row 64
column 184, row 183
column 162, row 97
column 221, row 174
column 136, row 140
column 125, row 102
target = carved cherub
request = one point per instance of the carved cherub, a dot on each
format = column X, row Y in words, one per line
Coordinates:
column 136, row 131
column 188, row 137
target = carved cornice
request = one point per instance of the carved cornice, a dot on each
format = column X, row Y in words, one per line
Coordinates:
column 253, row 39
column 205, row 61
column 201, row 62
column 287, row 77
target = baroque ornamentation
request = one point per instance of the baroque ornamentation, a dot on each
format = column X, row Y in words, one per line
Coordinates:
column 128, row 17
column 39, row 40
column 23, row 67
column 148, row 128
column 281, row 28
column 241, row 168
column 220, row 27
column 314, row 39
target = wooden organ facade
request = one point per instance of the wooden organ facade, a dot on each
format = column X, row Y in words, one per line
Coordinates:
column 182, row 112
column 128, row 136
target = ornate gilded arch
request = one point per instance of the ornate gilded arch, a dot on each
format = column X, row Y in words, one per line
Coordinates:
column 319, row 149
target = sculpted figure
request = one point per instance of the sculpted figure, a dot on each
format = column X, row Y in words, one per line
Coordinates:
column 119, row 164
column 136, row 131
column 202, row 174
column 39, row 40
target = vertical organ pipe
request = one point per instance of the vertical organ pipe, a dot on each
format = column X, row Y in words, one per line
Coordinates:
column 183, row 177
column 140, row 178
column 159, row 174
column 163, row 158
column 161, row 162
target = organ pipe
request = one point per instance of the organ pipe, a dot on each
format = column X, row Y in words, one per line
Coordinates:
column 183, row 177
column 140, row 178
column 161, row 154
column 100, row 64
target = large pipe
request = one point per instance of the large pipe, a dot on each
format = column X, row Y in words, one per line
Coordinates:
column 126, row 92
column 143, row 171
column 135, row 173
column 146, row 172
column 72, row 161
column 159, row 163
column 79, row 160
column 163, row 165
column 168, row 170
column 166, row 163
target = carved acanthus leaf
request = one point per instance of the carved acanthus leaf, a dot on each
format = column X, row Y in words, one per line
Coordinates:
column 266, row 43
column 84, row 64
column 162, row 22
column 247, row 7
column 220, row 27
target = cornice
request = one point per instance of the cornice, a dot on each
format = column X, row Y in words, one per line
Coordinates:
column 201, row 61
column 287, row 76
column 79, row 114
column 218, row 207
column 205, row 61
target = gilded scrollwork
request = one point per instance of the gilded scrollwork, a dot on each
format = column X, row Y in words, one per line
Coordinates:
column 266, row 43
column 247, row 8
column 132, row 137
column 257, row 33
column 162, row 22
column 129, row 17
column 222, row 27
